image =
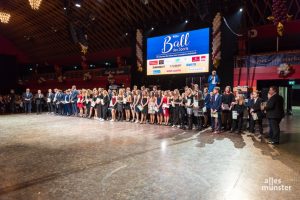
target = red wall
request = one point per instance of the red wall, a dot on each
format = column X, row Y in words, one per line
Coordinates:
column 8, row 48
column 260, row 73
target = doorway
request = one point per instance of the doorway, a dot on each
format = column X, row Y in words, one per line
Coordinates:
column 288, row 89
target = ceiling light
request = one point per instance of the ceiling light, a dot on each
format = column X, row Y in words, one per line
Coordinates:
column 77, row 5
column 241, row 9
column 35, row 4
column 4, row 17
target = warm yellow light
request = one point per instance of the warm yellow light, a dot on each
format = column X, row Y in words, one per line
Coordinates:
column 4, row 17
column 35, row 4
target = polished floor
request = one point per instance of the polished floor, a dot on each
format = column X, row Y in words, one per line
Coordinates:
column 52, row 157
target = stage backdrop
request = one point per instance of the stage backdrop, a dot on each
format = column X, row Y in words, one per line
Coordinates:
column 179, row 53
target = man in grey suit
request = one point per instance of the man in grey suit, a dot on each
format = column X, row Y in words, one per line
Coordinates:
column 27, row 98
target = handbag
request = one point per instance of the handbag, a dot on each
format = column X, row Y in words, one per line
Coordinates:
column 140, row 107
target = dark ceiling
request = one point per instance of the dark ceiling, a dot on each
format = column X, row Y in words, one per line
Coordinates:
column 45, row 34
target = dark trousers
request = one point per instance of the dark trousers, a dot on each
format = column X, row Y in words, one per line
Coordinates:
column 55, row 106
column 253, row 123
column 175, row 115
column 99, row 111
column 208, row 115
column 190, row 121
column 67, row 109
column 182, row 117
column 104, row 111
column 60, row 108
column 12, row 106
column 237, row 123
column 227, row 119
column 198, row 122
column 274, row 131
column 214, row 126
column 39, row 108
column 50, row 108
column 27, row 106
column 74, row 110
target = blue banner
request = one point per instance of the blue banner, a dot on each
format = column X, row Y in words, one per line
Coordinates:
column 177, row 45
column 272, row 60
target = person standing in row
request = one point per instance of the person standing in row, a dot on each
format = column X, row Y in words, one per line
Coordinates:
column 27, row 98
column 227, row 99
column 39, row 98
column 238, row 107
column 73, row 100
column 105, row 105
column 275, row 113
column 50, row 97
column 216, row 103
column 256, row 114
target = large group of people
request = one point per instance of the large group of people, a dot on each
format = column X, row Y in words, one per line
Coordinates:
column 189, row 108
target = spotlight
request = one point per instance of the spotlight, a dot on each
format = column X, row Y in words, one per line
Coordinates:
column 186, row 21
column 241, row 9
column 152, row 28
column 65, row 8
column 126, row 34
column 77, row 5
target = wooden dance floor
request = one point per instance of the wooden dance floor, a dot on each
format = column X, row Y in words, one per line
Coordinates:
column 54, row 157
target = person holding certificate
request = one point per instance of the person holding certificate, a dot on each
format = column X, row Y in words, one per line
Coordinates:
column 39, row 98
column 238, row 109
column 227, row 99
column 189, row 107
column 50, row 97
column 27, row 98
column 105, row 105
column 256, row 114
column 216, row 103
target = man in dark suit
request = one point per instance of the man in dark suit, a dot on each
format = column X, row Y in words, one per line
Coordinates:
column 275, row 113
column 206, row 111
column 256, row 115
column 55, row 101
column 27, row 98
column 216, row 109
column 60, row 101
column 50, row 98
column 39, row 98
column 74, row 99
column 67, row 104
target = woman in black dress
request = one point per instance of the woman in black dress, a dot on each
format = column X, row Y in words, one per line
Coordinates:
column 144, row 104
column 159, row 110
column 127, row 101
column 120, row 105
